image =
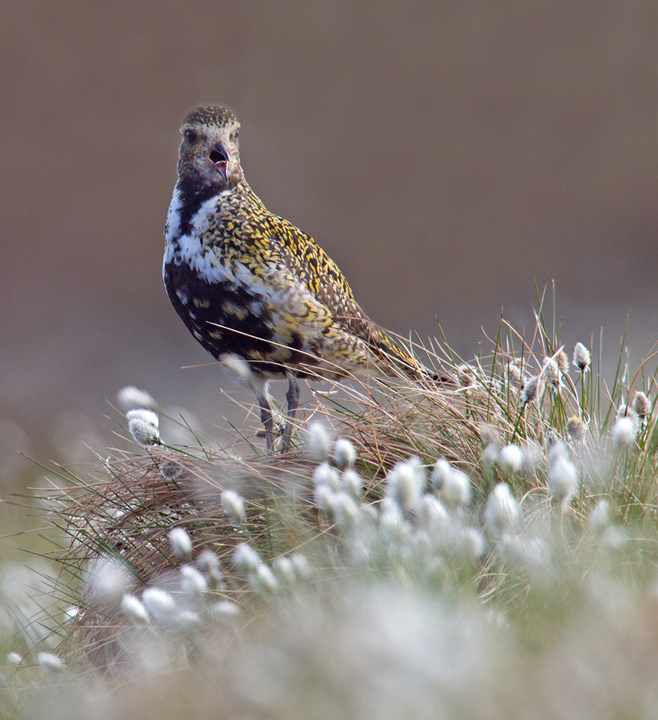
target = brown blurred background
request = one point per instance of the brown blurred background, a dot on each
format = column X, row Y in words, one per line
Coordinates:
column 441, row 152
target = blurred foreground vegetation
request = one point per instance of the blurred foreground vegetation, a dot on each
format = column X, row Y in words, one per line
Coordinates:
column 482, row 547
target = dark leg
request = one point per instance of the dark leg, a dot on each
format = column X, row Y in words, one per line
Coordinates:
column 266, row 419
column 292, row 398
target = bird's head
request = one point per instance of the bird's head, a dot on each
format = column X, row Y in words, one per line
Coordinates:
column 209, row 154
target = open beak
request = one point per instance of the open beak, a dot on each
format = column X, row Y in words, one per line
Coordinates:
column 219, row 158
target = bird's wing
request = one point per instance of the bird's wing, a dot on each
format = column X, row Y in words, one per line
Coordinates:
column 327, row 284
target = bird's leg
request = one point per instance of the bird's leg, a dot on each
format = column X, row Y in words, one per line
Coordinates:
column 292, row 398
column 266, row 419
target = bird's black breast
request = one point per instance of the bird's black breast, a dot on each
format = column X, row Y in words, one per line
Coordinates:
column 223, row 317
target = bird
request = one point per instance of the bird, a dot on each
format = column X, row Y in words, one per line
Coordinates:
column 249, row 284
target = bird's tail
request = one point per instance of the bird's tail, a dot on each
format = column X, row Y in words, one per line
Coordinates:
column 395, row 357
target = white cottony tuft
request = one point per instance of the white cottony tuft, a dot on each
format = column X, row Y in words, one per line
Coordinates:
column 581, row 357
column 326, row 475
column 225, row 611
column 433, row 517
column 624, row 431
column 143, row 426
column 208, row 563
column 490, row 454
column 131, row 398
column 352, row 483
column 533, row 390
column 501, row 512
column 511, row 458
column 551, row 372
column 285, row 570
column 641, row 405
column 108, row 579
column 456, row 489
column 245, row 558
column 562, row 361
column 14, row 658
column 133, row 608
column 344, row 454
column 599, row 518
column 181, row 544
column 405, row 483
column 562, row 477
column 192, row 582
column 239, row 366
column 233, row 506
column 318, row 441
column 392, row 525
column 323, row 497
column 577, row 429
column 159, row 604
column 473, row 543
column 442, row 470
column 514, row 377
column 262, row 580
column 50, row 663
column 345, row 510
column 301, row 566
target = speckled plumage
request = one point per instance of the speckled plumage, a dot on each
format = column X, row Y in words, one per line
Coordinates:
column 249, row 283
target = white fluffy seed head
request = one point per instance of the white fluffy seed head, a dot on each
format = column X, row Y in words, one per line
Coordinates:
column 225, row 611
column 490, row 455
column 581, row 357
column 208, row 563
column 442, row 470
column 392, row 525
column 158, row 603
column 13, row 658
column 514, row 377
column 318, row 441
column 433, row 517
column 133, row 608
column 511, row 458
column 323, row 497
column 285, row 570
column 192, row 582
column 131, row 398
column 405, row 483
column 533, row 390
column 233, row 506
column 563, row 479
column 456, row 489
column 50, row 663
column 345, row 510
column 239, row 366
column 324, row 474
column 301, row 566
column 501, row 513
column 108, row 580
column 624, row 431
column 352, row 483
column 180, row 541
column 262, row 580
column 551, row 372
column 641, row 405
column 562, row 361
column 246, row 559
column 472, row 543
column 577, row 429
column 143, row 426
column 344, row 454
column 599, row 518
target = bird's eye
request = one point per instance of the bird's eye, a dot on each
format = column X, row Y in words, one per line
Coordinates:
column 190, row 135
